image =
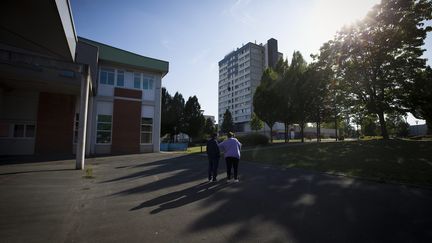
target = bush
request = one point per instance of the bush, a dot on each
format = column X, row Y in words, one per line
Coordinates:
column 253, row 139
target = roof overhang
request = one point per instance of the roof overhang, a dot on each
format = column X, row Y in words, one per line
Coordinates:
column 23, row 71
column 44, row 26
column 112, row 54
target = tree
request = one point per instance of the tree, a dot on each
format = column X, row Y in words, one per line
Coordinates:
column 177, row 112
column 300, row 81
column 369, row 125
column 420, row 97
column 265, row 99
column 227, row 123
column 378, row 56
column 284, row 107
column 329, row 98
column 397, row 125
column 194, row 120
column 209, row 127
column 256, row 124
column 167, row 120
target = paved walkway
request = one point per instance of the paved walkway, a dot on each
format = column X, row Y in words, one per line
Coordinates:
column 163, row 198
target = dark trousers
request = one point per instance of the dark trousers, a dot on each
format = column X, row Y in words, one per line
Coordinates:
column 213, row 166
column 232, row 162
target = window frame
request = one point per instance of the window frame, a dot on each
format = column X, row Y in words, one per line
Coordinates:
column 146, row 132
column 98, row 130
column 149, row 80
column 24, row 136
column 137, row 82
column 107, row 71
column 117, row 71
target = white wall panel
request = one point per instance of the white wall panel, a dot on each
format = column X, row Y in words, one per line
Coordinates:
column 104, row 108
column 147, row 111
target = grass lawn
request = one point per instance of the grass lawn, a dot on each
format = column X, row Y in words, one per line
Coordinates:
column 393, row 160
column 196, row 149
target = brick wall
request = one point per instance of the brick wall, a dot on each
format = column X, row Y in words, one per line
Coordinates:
column 54, row 129
column 126, row 122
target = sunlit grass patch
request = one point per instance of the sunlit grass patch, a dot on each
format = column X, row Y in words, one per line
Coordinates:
column 367, row 138
column 384, row 160
column 196, row 149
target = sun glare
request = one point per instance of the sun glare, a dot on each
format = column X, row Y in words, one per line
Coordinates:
column 329, row 16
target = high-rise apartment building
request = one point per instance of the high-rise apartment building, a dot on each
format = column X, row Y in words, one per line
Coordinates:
column 239, row 75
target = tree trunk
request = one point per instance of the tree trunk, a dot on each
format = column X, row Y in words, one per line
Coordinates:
column 271, row 134
column 286, row 132
column 318, row 132
column 336, row 129
column 382, row 122
column 302, row 131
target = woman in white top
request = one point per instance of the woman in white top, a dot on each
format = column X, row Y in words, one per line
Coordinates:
column 231, row 148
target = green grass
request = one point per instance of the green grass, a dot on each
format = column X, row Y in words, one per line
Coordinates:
column 393, row 160
column 367, row 138
column 196, row 149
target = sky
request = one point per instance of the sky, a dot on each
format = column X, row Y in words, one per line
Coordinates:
column 194, row 35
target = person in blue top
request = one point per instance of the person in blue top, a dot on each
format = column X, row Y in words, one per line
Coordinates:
column 213, row 154
column 231, row 148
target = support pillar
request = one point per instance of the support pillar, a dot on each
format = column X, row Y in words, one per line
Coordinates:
column 89, row 123
column 82, row 125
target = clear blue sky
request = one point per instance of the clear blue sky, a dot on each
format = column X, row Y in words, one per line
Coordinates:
column 194, row 35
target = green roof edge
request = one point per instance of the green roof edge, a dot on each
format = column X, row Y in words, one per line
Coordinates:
column 114, row 54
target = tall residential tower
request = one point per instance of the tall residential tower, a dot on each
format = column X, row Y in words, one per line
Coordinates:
column 239, row 75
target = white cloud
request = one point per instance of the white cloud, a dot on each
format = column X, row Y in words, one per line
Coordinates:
column 199, row 57
column 239, row 12
column 167, row 44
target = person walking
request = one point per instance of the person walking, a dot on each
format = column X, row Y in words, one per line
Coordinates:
column 213, row 154
column 231, row 148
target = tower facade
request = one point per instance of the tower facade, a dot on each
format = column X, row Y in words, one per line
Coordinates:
column 240, row 74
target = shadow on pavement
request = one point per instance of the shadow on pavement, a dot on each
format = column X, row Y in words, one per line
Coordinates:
column 27, row 159
column 33, row 171
column 275, row 204
column 182, row 197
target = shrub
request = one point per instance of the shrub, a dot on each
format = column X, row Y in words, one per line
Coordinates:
column 253, row 139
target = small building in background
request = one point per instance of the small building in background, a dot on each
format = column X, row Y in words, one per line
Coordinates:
column 417, row 130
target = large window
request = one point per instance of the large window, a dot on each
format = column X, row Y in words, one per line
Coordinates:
column 19, row 130
column 107, row 76
column 146, row 130
column 30, row 131
column 137, row 80
column 120, row 78
column 24, row 130
column 103, row 130
column 147, row 82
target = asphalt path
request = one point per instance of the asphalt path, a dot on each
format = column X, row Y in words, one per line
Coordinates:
column 165, row 198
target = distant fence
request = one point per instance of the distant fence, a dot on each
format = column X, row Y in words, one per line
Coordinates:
column 173, row 146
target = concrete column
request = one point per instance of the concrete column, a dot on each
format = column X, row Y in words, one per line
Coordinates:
column 82, row 129
column 89, row 125
column 157, row 116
